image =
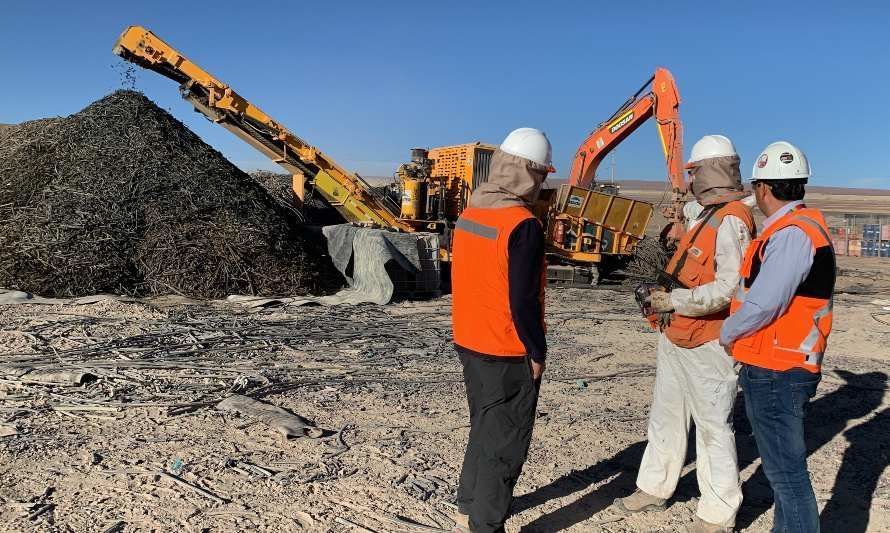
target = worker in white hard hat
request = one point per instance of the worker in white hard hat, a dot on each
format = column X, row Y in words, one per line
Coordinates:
column 695, row 380
column 497, row 278
column 779, row 325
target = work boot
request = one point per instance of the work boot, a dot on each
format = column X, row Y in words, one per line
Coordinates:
column 700, row 526
column 640, row 501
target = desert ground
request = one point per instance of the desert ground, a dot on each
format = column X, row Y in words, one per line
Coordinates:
column 140, row 445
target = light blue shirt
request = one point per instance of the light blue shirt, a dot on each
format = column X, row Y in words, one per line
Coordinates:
column 787, row 259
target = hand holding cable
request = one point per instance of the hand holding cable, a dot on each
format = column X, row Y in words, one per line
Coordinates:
column 660, row 302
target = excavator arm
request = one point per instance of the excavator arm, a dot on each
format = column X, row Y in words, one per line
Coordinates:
column 345, row 191
column 661, row 101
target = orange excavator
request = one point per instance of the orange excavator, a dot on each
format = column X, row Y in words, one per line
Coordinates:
column 591, row 229
column 661, row 102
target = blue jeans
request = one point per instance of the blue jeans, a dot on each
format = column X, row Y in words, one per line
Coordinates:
column 775, row 403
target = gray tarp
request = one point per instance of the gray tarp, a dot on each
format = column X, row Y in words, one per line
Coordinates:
column 362, row 256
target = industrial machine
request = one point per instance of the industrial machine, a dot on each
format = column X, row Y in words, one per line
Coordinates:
column 313, row 171
column 434, row 185
column 589, row 227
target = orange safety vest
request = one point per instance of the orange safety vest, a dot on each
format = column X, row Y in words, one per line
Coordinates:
column 693, row 264
column 798, row 338
column 480, row 292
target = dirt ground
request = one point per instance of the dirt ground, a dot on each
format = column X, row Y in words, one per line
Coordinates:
column 142, row 448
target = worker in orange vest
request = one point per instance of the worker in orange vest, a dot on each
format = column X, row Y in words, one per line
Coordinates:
column 694, row 378
column 498, row 276
column 779, row 325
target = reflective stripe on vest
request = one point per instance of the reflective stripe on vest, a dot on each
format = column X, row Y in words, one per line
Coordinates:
column 697, row 268
column 798, row 338
column 486, row 232
column 481, row 315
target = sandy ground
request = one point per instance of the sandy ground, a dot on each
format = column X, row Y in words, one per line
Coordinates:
column 385, row 386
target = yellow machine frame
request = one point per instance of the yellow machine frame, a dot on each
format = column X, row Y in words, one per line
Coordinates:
column 345, row 191
column 577, row 208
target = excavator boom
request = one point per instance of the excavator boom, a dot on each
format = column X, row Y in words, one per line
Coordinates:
column 591, row 230
column 662, row 102
column 345, row 191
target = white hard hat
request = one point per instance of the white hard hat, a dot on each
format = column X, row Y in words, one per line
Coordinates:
column 712, row 146
column 781, row 161
column 530, row 144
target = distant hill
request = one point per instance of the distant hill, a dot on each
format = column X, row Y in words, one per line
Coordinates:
column 647, row 185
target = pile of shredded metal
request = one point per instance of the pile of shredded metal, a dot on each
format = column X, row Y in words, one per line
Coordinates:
column 123, row 198
column 314, row 209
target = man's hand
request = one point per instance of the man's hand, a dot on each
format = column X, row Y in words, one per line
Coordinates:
column 660, row 302
column 727, row 347
column 537, row 369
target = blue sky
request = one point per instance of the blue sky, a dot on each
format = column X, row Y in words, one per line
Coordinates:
column 367, row 81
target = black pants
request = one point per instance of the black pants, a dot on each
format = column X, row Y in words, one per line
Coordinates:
column 502, row 398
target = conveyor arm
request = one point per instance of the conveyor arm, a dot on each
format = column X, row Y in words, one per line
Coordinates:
column 345, row 191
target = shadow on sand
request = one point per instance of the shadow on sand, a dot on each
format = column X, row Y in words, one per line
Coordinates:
column 865, row 459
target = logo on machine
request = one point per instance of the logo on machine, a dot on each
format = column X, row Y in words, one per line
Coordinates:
column 575, row 201
column 621, row 122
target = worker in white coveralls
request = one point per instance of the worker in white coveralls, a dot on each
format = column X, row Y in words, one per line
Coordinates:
column 695, row 379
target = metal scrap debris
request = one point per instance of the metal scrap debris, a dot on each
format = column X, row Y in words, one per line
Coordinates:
column 287, row 423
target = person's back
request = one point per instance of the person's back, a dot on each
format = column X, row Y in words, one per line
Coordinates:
column 497, row 285
column 482, row 318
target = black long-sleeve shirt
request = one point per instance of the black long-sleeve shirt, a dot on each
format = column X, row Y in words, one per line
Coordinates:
column 525, row 262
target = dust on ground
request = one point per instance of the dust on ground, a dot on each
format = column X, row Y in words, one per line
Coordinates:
column 141, row 447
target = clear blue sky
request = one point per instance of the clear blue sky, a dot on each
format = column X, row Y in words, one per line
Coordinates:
column 366, row 81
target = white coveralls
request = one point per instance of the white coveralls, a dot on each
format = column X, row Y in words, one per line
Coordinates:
column 698, row 383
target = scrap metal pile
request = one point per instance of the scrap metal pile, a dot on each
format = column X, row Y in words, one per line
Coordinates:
column 315, row 210
column 123, row 198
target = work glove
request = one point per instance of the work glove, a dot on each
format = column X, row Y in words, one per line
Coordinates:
column 664, row 319
column 660, row 302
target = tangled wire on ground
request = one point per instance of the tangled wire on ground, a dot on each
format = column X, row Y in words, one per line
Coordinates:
column 649, row 257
